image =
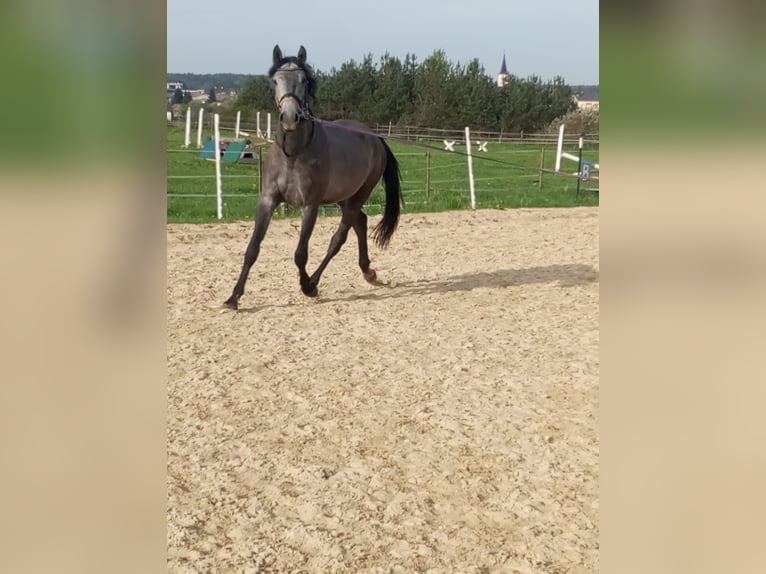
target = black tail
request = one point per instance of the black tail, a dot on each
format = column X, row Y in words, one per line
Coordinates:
column 385, row 229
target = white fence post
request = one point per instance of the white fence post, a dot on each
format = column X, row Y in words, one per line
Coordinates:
column 268, row 127
column 559, row 147
column 470, row 166
column 199, row 127
column 187, row 138
column 236, row 131
column 258, row 131
column 218, row 194
column 561, row 153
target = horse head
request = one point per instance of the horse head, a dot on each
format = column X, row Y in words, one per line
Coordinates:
column 294, row 85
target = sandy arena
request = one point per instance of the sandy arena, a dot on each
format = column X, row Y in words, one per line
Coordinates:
column 446, row 422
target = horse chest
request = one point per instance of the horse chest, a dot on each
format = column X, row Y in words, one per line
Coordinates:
column 294, row 188
column 295, row 185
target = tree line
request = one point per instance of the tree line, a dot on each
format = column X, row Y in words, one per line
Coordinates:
column 433, row 93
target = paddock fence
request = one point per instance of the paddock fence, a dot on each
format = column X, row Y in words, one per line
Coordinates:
column 503, row 164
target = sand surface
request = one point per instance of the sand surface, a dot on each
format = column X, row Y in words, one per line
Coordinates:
column 445, row 422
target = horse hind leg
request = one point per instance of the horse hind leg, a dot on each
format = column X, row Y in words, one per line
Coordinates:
column 360, row 228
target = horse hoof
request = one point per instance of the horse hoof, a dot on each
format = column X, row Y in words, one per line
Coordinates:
column 231, row 303
column 312, row 291
column 370, row 276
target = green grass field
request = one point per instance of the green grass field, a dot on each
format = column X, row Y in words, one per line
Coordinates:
column 191, row 181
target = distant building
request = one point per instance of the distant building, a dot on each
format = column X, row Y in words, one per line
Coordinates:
column 503, row 76
column 586, row 103
column 586, row 97
column 198, row 95
column 172, row 87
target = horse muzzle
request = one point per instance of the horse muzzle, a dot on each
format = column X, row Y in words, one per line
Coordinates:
column 289, row 114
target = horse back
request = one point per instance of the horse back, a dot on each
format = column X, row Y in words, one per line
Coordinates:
column 352, row 156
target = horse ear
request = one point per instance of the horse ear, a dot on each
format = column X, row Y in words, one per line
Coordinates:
column 277, row 56
column 302, row 55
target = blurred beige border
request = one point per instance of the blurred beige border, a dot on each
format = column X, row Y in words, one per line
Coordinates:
column 683, row 277
column 82, row 400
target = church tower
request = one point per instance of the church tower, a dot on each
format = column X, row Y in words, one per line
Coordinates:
column 503, row 76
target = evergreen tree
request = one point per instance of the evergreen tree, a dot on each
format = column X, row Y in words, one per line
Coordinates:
column 257, row 94
column 433, row 79
column 367, row 76
column 392, row 93
column 562, row 101
column 178, row 96
column 474, row 97
column 211, row 94
column 434, row 93
column 409, row 70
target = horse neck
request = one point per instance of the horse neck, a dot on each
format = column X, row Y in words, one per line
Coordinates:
column 293, row 142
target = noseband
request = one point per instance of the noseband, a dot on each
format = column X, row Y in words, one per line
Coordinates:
column 303, row 111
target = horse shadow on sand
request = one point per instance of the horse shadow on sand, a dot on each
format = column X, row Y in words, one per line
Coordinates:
column 564, row 276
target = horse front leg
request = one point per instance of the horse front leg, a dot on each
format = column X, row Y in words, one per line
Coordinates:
column 308, row 219
column 263, row 213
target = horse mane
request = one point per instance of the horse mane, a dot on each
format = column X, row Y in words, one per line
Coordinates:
column 303, row 66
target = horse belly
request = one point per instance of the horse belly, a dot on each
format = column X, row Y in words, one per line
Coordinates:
column 340, row 188
column 346, row 178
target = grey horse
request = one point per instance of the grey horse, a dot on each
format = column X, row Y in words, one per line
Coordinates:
column 313, row 163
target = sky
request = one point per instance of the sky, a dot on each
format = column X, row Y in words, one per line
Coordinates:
column 543, row 37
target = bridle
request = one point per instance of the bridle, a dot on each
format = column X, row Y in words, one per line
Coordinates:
column 304, row 113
